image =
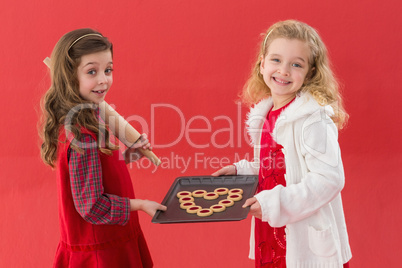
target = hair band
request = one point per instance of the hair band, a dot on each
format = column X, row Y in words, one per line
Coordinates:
column 79, row 38
column 266, row 37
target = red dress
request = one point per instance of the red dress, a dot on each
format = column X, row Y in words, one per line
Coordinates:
column 83, row 244
column 270, row 243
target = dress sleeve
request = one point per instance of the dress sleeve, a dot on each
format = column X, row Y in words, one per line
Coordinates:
column 322, row 182
column 90, row 200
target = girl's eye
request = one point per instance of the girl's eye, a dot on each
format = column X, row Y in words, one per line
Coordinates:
column 109, row 70
column 91, row 72
column 275, row 60
column 297, row 65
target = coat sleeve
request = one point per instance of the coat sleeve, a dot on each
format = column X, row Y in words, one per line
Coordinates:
column 245, row 167
column 323, row 177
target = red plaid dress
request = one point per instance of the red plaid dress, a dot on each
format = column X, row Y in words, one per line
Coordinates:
column 96, row 226
column 90, row 199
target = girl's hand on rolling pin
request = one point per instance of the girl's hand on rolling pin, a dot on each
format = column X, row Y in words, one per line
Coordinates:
column 255, row 207
column 133, row 154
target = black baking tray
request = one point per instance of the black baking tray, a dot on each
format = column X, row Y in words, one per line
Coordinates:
column 174, row 214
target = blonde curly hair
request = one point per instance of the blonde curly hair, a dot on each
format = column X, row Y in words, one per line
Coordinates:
column 320, row 81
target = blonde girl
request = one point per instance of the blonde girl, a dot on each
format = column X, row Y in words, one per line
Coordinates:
column 298, row 218
column 97, row 207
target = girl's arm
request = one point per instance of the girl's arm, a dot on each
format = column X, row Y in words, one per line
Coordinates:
column 90, row 201
column 227, row 170
column 149, row 207
column 243, row 167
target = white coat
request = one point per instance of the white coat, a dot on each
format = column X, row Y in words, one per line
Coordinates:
column 310, row 205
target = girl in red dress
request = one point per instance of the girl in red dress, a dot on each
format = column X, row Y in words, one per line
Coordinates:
column 298, row 218
column 98, row 217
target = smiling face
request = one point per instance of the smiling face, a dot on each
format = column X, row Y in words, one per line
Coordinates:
column 95, row 75
column 285, row 68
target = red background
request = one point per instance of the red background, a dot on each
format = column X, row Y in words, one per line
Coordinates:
column 196, row 55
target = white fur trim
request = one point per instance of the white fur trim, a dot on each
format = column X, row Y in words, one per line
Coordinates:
column 256, row 118
column 298, row 109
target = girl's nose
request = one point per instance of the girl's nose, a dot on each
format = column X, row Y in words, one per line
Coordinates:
column 283, row 70
column 102, row 79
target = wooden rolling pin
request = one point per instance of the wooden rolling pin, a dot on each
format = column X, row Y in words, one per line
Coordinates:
column 120, row 128
column 125, row 132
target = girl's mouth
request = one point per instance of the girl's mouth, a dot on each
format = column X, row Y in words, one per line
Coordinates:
column 99, row 92
column 280, row 81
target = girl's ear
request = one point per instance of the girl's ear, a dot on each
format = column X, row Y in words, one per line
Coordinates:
column 309, row 76
column 262, row 64
column 311, row 73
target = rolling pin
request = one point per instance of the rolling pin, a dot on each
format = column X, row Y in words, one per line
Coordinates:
column 120, row 128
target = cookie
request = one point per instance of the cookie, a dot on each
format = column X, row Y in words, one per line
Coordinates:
column 186, row 205
column 236, row 191
column 204, row 212
column 211, row 196
column 221, row 191
column 199, row 193
column 218, row 208
column 186, row 199
column 193, row 209
column 183, row 194
column 226, row 202
column 235, row 197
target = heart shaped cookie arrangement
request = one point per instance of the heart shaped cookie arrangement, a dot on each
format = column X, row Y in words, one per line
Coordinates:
column 186, row 200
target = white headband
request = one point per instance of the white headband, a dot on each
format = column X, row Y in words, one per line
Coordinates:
column 79, row 38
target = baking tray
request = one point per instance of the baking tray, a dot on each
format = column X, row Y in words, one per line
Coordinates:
column 174, row 214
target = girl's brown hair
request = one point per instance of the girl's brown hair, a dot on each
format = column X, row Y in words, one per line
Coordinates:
column 320, row 81
column 59, row 104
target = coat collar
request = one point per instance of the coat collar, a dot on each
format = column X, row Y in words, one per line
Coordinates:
column 303, row 105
